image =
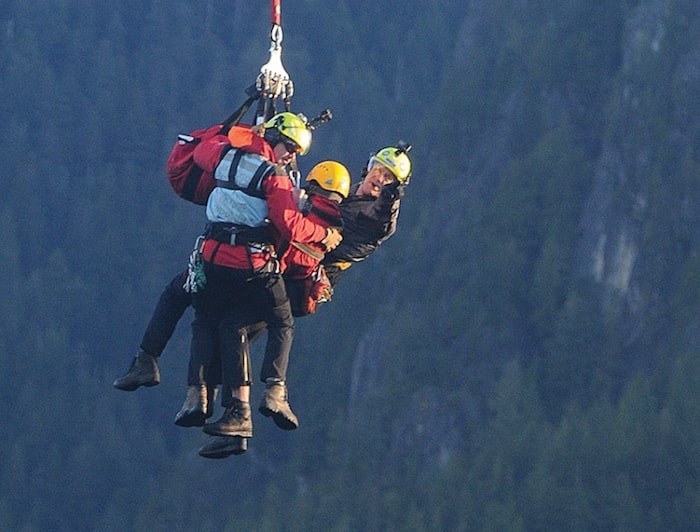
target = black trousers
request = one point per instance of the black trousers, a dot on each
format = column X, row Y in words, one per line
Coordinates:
column 231, row 301
column 170, row 307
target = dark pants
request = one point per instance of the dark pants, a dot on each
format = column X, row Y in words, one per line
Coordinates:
column 204, row 367
column 232, row 300
column 169, row 310
column 171, row 306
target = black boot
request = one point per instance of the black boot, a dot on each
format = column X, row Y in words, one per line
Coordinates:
column 236, row 421
column 142, row 372
column 194, row 410
column 274, row 403
column 223, row 446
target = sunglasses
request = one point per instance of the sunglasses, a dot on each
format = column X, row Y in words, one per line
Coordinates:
column 291, row 146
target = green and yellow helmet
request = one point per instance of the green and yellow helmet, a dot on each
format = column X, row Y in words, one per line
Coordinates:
column 291, row 127
column 331, row 176
column 395, row 159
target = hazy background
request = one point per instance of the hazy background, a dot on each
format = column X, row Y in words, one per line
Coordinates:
column 522, row 355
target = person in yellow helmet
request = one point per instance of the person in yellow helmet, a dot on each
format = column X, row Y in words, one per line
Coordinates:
column 277, row 141
column 286, row 128
column 371, row 211
column 327, row 185
column 243, row 278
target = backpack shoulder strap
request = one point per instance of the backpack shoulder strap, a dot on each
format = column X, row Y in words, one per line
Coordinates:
column 239, row 170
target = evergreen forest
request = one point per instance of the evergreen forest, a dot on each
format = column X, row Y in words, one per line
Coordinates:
column 523, row 354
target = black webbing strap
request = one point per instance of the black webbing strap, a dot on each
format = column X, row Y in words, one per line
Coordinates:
column 238, row 114
column 261, row 173
column 237, row 156
column 264, row 169
column 238, row 235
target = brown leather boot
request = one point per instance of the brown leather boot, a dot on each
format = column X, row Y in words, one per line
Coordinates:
column 142, row 372
column 236, row 421
column 274, row 403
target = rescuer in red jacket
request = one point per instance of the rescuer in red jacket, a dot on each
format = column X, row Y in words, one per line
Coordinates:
column 243, row 280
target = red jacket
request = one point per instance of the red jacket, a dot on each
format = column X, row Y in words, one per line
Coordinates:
column 283, row 212
column 300, row 262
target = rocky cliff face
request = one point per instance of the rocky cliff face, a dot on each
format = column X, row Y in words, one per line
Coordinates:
column 643, row 188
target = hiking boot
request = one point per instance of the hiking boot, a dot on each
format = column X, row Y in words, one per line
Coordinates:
column 236, row 421
column 223, row 446
column 194, row 410
column 142, row 372
column 274, row 403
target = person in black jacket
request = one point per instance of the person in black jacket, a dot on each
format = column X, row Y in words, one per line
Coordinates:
column 371, row 211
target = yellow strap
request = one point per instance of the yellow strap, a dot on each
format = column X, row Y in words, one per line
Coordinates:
column 308, row 250
column 342, row 266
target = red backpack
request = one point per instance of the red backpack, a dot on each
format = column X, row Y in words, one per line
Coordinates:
column 190, row 180
column 192, row 175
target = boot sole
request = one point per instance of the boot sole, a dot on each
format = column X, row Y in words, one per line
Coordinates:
column 132, row 387
column 279, row 419
column 236, row 448
column 213, row 430
column 191, row 419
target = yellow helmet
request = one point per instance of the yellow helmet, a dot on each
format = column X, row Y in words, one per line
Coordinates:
column 292, row 127
column 396, row 160
column 331, row 176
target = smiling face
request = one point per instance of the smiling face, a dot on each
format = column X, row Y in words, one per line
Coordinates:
column 376, row 178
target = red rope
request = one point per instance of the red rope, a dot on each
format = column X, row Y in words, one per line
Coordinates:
column 277, row 12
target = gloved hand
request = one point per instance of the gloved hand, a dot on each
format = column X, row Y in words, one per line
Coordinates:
column 393, row 190
column 333, row 238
